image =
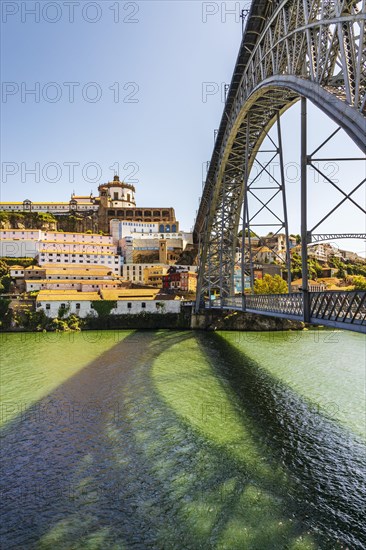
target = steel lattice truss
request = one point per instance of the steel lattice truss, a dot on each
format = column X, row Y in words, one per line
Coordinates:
column 314, row 49
column 317, row 238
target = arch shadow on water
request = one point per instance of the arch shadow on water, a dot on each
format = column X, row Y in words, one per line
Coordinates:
column 122, row 469
column 61, row 484
column 327, row 463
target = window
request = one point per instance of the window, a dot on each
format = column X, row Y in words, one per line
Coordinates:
column 48, row 306
column 77, row 306
column 129, row 305
column 143, row 305
column 115, row 196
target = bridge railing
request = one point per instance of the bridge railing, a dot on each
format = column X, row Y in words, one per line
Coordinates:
column 347, row 307
column 343, row 309
column 284, row 304
column 232, row 301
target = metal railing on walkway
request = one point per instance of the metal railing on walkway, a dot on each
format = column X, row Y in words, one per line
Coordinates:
column 339, row 309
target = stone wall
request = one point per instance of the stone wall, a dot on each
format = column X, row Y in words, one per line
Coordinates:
column 236, row 320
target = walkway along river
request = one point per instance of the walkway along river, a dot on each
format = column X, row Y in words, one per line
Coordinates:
column 181, row 440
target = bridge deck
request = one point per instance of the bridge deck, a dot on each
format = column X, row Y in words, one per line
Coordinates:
column 343, row 310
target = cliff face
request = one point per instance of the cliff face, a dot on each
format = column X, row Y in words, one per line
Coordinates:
column 19, row 221
column 189, row 255
column 78, row 223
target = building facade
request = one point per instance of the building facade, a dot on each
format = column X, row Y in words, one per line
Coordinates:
column 180, row 279
column 116, row 201
column 82, row 304
column 61, row 248
column 136, row 272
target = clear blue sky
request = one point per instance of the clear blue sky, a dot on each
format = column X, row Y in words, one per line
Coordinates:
column 167, row 133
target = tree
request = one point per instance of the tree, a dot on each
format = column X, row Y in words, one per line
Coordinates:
column 3, row 268
column 315, row 269
column 297, row 237
column 359, row 282
column 5, row 313
column 6, row 282
column 270, row 285
column 252, row 234
column 342, row 273
column 296, row 267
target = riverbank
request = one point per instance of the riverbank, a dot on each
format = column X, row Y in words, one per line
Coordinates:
column 209, row 320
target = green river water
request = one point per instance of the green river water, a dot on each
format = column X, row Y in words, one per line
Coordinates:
column 183, row 440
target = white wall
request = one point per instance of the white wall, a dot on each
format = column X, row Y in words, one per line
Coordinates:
column 78, row 247
column 120, row 230
column 109, row 261
column 10, row 248
column 75, row 237
column 170, row 306
column 15, row 234
column 53, row 208
column 85, row 308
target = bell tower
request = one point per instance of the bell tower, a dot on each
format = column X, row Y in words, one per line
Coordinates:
column 163, row 253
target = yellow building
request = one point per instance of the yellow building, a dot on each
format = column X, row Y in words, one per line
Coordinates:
column 153, row 276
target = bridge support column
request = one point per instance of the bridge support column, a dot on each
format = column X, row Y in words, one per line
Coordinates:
column 304, row 228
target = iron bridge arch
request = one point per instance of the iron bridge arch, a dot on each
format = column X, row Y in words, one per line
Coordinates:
column 291, row 49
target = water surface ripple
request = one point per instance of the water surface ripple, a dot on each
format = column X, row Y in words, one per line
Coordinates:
column 170, row 440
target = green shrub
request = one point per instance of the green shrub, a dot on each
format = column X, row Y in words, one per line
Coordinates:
column 4, row 306
column 359, row 282
column 34, row 320
column 24, row 262
column 59, row 325
column 104, row 307
column 4, row 269
column 74, row 322
column 6, row 281
column 63, row 311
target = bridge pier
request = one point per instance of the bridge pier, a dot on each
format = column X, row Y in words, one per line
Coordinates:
column 304, row 212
